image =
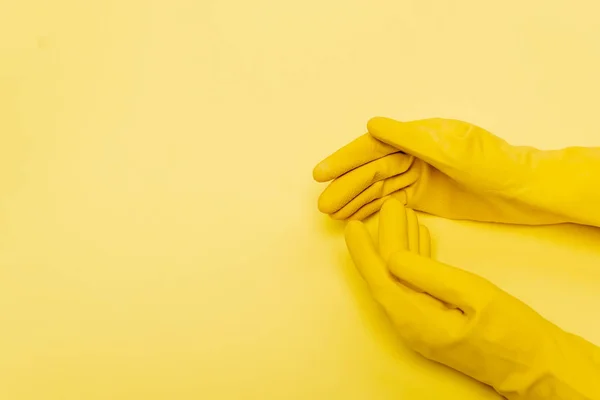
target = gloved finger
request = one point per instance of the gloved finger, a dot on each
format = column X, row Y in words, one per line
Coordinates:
column 394, row 296
column 424, row 241
column 377, row 190
column 446, row 144
column 450, row 285
column 366, row 258
column 374, row 206
column 345, row 188
column 360, row 151
column 393, row 229
column 413, row 230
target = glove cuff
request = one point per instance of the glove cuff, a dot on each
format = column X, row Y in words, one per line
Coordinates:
column 573, row 371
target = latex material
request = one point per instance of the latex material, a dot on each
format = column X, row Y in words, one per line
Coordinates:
column 457, row 170
column 465, row 322
column 159, row 235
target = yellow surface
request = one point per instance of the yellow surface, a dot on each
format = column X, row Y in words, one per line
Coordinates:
column 159, row 237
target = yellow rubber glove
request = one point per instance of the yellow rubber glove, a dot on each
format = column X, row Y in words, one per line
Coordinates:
column 465, row 322
column 456, row 170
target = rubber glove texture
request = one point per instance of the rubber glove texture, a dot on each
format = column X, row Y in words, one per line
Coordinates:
column 465, row 322
column 457, row 170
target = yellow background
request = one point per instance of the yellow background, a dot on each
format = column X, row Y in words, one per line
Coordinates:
column 159, row 237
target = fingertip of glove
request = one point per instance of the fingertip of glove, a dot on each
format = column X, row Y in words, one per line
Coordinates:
column 353, row 224
column 353, row 227
column 324, row 204
column 377, row 124
column 320, row 172
column 391, row 204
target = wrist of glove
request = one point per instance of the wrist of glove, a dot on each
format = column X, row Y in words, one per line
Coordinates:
column 457, row 170
column 572, row 373
column 465, row 322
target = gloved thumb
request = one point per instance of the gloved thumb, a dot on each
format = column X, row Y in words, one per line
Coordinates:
column 450, row 285
column 452, row 146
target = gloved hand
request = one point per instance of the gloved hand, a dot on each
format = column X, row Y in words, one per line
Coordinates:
column 465, row 322
column 456, row 170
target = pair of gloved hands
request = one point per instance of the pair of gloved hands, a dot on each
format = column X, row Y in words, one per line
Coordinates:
column 456, row 170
